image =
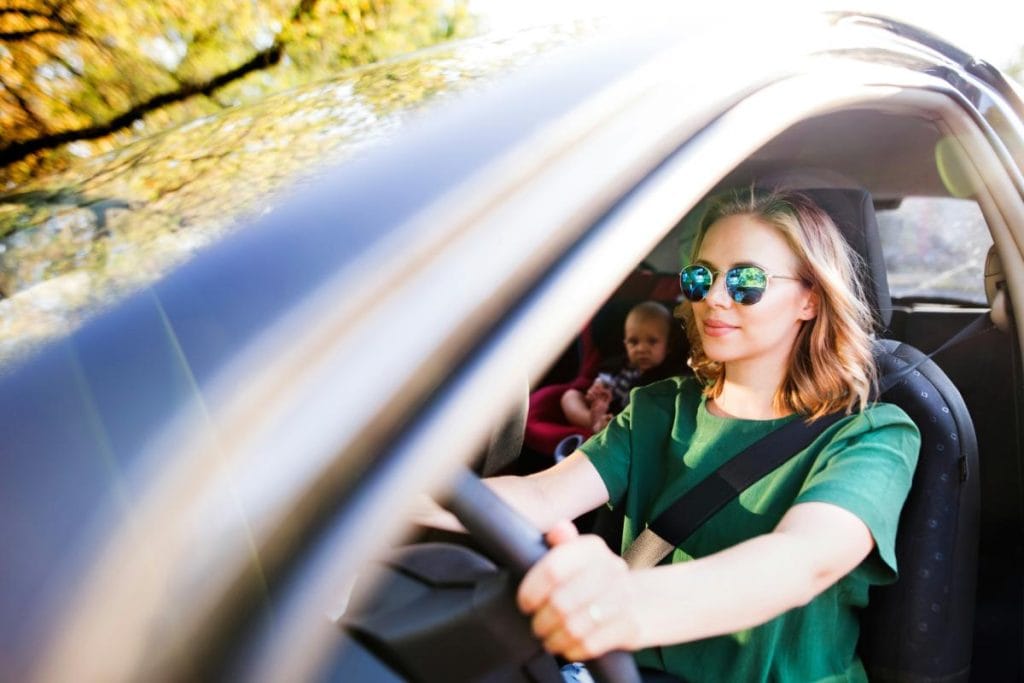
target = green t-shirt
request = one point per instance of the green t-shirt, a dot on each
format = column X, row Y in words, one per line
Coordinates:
column 666, row 441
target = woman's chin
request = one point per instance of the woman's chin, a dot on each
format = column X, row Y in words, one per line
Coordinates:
column 723, row 355
column 715, row 350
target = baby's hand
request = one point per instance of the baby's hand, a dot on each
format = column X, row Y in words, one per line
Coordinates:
column 599, row 392
column 600, row 422
column 599, row 400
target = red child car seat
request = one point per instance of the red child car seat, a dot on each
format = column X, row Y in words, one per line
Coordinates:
column 600, row 341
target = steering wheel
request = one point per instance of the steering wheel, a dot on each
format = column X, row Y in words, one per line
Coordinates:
column 508, row 537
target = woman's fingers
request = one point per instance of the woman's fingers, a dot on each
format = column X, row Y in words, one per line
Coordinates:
column 557, row 567
column 562, row 532
column 577, row 594
column 575, row 604
column 603, row 637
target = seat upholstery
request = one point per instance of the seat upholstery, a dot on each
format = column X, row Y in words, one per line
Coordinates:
column 919, row 628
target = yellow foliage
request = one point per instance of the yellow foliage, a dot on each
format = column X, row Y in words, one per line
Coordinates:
column 77, row 65
column 76, row 240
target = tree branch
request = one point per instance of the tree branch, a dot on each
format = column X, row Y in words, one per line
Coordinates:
column 27, row 12
column 17, row 151
column 28, row 34
column 52, row 16
column 26, row 108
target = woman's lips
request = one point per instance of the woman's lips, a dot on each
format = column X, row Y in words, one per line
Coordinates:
column 716, row 328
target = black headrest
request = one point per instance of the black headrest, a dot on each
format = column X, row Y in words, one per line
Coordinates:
column 854, row 215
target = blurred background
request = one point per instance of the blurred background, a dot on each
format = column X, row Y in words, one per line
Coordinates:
column 79, row 77
column 135, row 132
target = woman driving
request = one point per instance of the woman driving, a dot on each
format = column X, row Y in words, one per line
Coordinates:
column 768, row 588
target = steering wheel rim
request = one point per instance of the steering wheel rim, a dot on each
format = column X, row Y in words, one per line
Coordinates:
column 519, row 545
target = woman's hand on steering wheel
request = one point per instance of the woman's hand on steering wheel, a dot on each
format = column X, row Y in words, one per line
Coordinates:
column 581, row 597
column 508, row 536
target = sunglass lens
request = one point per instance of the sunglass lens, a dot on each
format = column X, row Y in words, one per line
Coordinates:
column 695, row 281
column 746, row 284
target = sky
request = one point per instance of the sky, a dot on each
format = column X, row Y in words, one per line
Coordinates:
column 992, row 30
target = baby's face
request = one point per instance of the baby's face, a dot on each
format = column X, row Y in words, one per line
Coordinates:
column 646, row 342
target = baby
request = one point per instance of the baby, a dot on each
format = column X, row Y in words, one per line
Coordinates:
column 647, row 330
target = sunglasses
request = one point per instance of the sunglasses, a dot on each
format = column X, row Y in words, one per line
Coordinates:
column 745, row 283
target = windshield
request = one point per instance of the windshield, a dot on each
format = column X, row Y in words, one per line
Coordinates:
column 79, row 240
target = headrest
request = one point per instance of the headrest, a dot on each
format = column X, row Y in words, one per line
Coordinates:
column 854, row 215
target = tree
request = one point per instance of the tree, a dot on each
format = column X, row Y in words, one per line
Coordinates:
column 104, row 71
column 74, row 241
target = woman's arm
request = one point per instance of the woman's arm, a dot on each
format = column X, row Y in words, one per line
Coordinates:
column 565, row 491
column 586, row 602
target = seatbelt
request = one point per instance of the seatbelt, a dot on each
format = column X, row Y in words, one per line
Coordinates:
column 983, row 323
column 699, row 504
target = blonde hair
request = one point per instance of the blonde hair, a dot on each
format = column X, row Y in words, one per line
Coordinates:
column 831, row 366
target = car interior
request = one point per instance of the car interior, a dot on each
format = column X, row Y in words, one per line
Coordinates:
column 896, row 183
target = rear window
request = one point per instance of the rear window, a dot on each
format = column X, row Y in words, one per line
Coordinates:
column 935, row 249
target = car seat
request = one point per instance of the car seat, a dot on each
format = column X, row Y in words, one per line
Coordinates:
column 600, row 341
column 919, row 628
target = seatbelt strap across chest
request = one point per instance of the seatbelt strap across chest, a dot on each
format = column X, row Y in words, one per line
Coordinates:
column 700, row 503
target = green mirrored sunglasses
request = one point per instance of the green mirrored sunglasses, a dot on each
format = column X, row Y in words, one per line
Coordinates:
column 745, row 284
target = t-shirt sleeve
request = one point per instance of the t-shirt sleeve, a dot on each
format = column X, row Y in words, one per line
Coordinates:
column 868, row 469
column 610, row 452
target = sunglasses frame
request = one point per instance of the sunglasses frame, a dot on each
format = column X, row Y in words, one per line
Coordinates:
column 733, row 292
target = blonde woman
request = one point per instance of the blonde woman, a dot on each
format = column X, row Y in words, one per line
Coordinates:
column 769, row 587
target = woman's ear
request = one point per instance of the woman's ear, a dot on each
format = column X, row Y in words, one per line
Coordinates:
column 809, row 309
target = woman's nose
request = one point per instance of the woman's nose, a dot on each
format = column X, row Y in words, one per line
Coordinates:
column 717, row 294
